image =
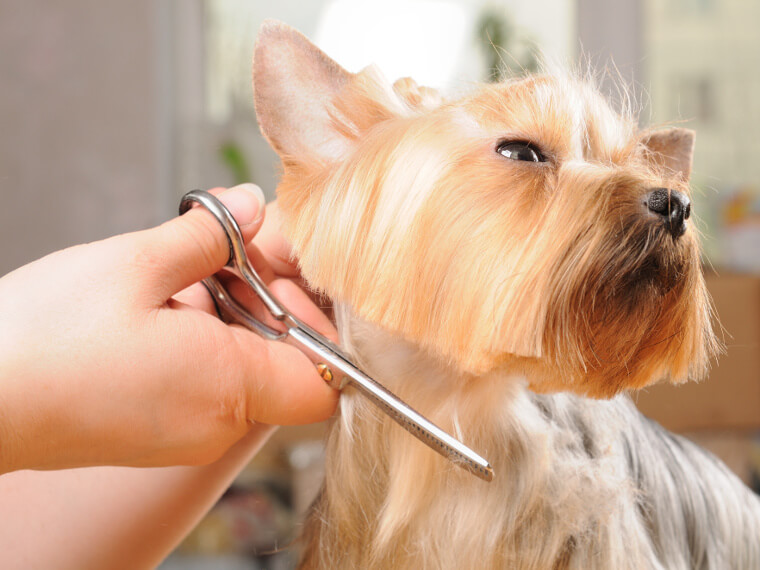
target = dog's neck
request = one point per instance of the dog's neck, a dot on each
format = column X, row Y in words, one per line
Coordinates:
column 368, row 449
column 383, row 487
column 570, row 476
column 421, row 380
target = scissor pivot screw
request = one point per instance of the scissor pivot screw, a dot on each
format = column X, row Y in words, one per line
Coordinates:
column 325, row 372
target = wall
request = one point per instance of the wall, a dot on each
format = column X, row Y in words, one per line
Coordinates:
column 79, row 133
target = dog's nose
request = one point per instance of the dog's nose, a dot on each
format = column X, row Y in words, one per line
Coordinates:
column 672, row 206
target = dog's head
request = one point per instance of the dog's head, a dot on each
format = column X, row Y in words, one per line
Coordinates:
column 524, row 228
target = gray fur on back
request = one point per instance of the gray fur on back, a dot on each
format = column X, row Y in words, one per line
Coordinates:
column 697, row 513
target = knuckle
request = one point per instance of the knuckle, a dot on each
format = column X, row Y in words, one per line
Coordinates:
column 146, row 259
column 139, row 262
column 205, row 237
column 255, row 399
column 231, row 396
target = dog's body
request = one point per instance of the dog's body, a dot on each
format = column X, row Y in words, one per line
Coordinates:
column 486, row 256
column 580, row 483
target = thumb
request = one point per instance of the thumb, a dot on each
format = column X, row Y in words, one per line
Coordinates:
column 193, row 246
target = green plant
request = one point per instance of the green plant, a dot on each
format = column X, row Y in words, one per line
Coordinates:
column 507, row 52
column 233, row 158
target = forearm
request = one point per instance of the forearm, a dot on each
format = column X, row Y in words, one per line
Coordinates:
column 110, row 517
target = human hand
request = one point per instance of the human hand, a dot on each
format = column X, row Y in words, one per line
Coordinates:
column 111, row 353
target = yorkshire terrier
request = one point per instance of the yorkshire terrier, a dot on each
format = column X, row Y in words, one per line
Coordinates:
column 509, row 263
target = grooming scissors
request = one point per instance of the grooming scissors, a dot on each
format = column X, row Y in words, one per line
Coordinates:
column 333, row 364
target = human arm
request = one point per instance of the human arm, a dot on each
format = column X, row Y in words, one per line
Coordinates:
column 121, row 517
column 111, row 517
column 100, row 363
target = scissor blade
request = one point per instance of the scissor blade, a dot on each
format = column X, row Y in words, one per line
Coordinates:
column 412, row 421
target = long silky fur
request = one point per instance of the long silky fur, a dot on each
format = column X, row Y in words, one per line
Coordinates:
column 494, row 296
column 581, row 483
column 424, row 205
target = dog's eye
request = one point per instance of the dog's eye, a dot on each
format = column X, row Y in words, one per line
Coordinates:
column 520, row 150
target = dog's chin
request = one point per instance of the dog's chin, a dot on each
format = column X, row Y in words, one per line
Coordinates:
column 651, row 282
column 618, row 335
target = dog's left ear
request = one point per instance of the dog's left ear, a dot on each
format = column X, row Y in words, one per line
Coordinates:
column 295, row 85
column 672, row 149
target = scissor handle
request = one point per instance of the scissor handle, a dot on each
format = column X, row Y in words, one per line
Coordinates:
column 238, row 258
column 229, row 308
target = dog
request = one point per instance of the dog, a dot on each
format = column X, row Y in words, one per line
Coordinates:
column 511, row 263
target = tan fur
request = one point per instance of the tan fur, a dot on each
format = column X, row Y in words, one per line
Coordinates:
column 420, row 210
column 464, row 277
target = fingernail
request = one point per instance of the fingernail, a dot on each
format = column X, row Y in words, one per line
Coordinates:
column 238, row 200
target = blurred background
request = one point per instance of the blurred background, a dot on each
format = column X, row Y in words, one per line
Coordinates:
column 110, row 111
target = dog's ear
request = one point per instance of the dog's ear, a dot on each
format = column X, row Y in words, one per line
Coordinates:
column 672, row 149
column 295, row 85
